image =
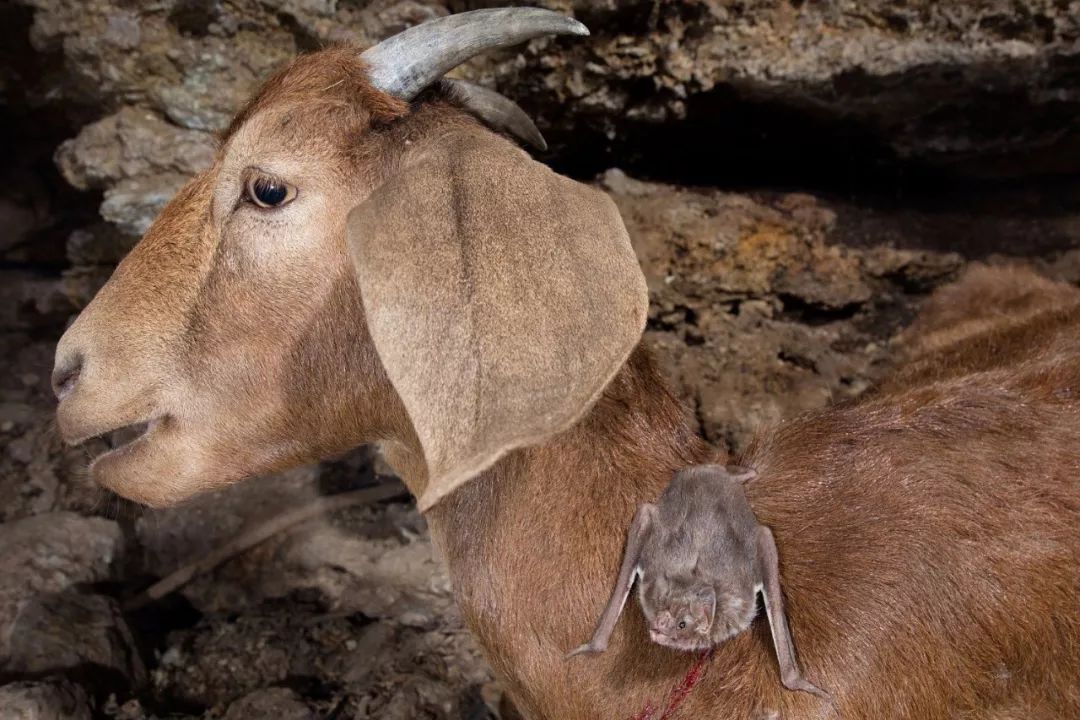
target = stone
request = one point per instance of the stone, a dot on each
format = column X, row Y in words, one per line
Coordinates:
column 56, row 699
column 49, row 553
column 277, row 703
column 133, row 203
column 98, row 244
column 765, row 306
column 31, row 300
column 955, row 84
column 81, row 283
column 130, row 143
column 171, row 537
column 17, row 413
column 21, row 449
column 81, row 634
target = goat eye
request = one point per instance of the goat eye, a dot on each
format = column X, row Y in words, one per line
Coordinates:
column 268, row 192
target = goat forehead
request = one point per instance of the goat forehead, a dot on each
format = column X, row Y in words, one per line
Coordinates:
column 315, row 145
column 331, row 77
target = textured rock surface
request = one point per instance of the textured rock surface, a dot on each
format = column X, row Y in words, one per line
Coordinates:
column 140, row 161
column 387, row 670
column 941, row 82
column 30, row 299
column 278, row 703
column 770, row 305
column 51, row 552
column 986, row 84
column 356, row 599
column 44, row 700
column 38, row 474
column 78, row 633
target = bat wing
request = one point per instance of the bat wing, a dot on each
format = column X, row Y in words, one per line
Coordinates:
column 628, row 573
column 790, row 673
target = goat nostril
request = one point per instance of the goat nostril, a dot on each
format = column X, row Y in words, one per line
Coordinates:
column 65, row 377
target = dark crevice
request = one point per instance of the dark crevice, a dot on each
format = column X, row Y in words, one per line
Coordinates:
column 799, row 310
column 152, row 623
column 192, row 18
column 38, row 208
column 350, row 471
column 311, row 687
column 304, row 39
column 731, row 140
column 727, row 142
column 681, row 320
column 884, row 319
column 170, row 707
column 797, row 360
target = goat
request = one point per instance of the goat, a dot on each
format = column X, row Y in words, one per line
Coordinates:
column 364, row 262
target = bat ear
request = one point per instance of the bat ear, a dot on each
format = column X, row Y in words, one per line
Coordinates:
column 501, row 298
column 738, row 473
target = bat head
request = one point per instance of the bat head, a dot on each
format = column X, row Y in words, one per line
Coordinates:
column 679, row 616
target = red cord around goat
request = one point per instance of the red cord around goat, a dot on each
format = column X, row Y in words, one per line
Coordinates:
column 680, row 692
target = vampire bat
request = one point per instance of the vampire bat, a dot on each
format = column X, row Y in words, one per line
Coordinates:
column 700, row 558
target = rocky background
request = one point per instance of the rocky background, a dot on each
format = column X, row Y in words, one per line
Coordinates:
column 796, row 177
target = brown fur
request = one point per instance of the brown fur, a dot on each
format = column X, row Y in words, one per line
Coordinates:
column 927, row 535
column 927, row 539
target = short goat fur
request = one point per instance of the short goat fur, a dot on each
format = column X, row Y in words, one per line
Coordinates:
column 433, row 289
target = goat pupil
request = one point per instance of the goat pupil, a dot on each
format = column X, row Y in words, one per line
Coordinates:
column 270, row 193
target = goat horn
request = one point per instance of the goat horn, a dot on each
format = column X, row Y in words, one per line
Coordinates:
column 406, row 63
column 497, row 111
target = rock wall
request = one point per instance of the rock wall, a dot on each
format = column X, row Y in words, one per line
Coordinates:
column 727, row 91
column 795, row 176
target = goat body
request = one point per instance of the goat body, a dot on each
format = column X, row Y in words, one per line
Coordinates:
column 928, row 535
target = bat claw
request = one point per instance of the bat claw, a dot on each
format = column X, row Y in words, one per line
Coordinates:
column 806, row 686
column 586, row 649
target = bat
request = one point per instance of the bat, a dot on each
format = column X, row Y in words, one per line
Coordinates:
column 700, row 557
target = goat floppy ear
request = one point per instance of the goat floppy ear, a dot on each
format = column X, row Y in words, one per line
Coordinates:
column 501, row 298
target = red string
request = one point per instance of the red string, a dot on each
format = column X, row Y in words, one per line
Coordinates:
column 678, row 694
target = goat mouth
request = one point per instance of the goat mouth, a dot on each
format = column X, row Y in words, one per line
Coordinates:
column 122, row 439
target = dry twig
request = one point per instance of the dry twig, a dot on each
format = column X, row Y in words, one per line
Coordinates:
column 263, row 531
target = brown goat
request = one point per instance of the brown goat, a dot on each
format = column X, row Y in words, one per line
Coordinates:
column 485, row 333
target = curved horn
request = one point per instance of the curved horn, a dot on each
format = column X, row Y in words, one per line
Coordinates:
column 497, row 111
column 408, row 62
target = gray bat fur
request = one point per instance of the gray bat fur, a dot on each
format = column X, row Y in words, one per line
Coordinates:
column 700, row 558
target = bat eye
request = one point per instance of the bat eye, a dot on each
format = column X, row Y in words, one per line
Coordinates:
column 682, row 624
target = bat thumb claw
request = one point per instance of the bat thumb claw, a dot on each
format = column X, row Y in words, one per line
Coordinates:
column 585, row 649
